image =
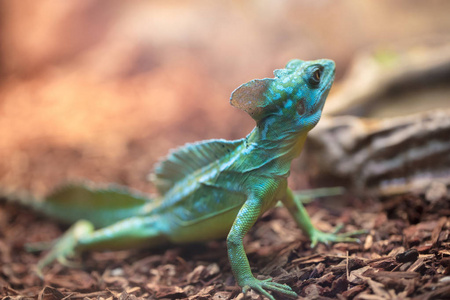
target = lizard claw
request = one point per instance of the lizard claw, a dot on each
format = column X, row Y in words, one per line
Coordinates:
column 323, row 237
column 261, row 286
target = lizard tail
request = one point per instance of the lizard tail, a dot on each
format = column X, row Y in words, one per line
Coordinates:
column 20, row 197
column 101, row 205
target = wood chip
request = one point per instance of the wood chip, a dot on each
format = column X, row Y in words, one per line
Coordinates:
column 391, row 267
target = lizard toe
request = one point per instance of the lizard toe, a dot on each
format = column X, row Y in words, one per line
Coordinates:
column 262, row 287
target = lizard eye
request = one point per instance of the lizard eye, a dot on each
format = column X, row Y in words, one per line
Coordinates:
column 316, row 74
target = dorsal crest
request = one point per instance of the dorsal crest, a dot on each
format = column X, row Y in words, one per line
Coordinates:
column 184, row 161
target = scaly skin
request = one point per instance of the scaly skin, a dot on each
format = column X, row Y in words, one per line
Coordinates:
column 213, row 188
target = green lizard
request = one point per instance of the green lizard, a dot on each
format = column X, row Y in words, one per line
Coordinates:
column 210, row 189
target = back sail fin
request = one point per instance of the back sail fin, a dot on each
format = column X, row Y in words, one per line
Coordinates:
column 190, row 158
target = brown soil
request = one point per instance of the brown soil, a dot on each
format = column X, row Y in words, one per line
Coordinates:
column 406, row 254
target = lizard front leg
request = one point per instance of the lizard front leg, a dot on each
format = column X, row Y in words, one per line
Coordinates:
column 301, row 217
column 240, row 266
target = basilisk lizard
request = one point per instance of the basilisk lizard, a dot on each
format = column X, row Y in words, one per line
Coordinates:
column 209, row 189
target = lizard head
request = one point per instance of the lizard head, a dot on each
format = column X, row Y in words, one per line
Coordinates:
column 295, row 96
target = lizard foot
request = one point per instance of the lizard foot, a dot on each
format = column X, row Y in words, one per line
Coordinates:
column 262, row 286
column 64, row 247
column 39, row 246
column 323, row 237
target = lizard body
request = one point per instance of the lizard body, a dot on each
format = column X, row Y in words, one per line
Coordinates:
column 214, row 188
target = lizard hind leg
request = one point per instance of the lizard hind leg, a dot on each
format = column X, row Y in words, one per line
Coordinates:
column 302, row 219
column 129, row 233
column 64, row 246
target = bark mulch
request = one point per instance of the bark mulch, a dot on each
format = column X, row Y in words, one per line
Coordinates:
column 405, row 254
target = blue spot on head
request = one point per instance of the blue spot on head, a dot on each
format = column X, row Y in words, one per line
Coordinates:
column 289, row 89
column 288, row 103
column 286, row 79
column 276, row 96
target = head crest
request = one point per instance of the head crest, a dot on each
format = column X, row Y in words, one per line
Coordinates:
column 250, row 97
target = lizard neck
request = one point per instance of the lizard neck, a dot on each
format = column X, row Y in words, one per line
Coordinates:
column 273, row 138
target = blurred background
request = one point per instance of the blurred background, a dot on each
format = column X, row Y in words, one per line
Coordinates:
column 101, row 90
